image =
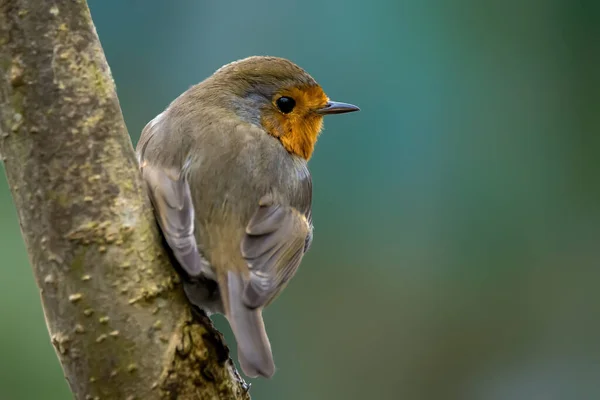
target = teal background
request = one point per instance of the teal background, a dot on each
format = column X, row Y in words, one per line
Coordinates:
column 457, row 216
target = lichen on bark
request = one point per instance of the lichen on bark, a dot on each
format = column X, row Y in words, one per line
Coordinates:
column 114, row 306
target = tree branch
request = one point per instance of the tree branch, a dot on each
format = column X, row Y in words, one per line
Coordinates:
column 114, row 307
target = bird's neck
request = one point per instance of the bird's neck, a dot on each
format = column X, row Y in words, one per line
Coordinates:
column 299, row 144
column 298, row 136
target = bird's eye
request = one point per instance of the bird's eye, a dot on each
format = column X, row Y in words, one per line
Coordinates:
column 286, row 104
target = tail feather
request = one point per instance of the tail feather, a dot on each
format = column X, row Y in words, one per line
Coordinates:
column 254, row 349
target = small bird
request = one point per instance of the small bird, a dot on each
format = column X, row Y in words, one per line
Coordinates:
column 226, row 170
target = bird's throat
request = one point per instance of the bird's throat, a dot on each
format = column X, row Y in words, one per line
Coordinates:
column 300, row 145
column 298, row 136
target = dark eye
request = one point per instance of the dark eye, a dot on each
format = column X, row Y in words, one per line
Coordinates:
column 286, row 104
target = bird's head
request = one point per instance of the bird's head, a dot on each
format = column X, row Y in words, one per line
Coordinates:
column 279, row 96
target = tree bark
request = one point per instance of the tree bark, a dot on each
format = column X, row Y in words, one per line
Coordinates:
column 114, row 306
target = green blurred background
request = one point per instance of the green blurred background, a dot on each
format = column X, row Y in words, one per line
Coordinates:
column 457, row 216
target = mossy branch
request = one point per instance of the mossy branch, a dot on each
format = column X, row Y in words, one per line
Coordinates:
column 115, row 310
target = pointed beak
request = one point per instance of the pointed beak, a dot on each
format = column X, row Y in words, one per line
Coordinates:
column 335, row 107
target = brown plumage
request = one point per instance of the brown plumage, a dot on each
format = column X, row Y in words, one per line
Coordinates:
column 225, row 165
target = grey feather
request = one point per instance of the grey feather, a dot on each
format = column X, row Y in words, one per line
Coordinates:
column 254, row 349
column 174, row 211
column 169, row 192
column 273, row 247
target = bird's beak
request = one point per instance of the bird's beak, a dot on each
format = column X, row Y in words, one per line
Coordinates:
column 335, row 107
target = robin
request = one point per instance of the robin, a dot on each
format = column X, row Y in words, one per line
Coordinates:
column 226, row 169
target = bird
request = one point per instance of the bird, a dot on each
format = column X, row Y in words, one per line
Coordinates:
column 226, row 169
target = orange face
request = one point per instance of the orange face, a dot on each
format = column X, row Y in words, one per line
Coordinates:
column 296, row 122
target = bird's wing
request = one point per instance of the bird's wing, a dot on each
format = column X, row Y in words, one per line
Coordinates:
column 276, row 239
column 173, row 207
column 308, row 212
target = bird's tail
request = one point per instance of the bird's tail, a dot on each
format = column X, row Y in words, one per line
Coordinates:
column 254, row 348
